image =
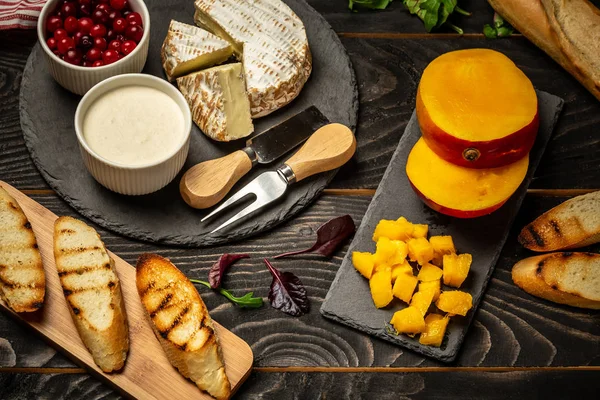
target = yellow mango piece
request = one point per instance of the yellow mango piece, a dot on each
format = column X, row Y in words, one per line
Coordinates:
column 381, row 288
column 398, row 269
column 408, row 320
column 422, row 300
column 385, row 251
column 392, row 230
column 429, row 272
column 435, row 329
column 364, row 263
column 383, row 267
column 456, row 268
column 404, row 286
column 420, row 231
column 431, row 285
column 399, row 256
column 455, row 302
column 420, row 250
column 441, row 245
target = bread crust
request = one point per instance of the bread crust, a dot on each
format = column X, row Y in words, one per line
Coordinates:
column 182, row 324
column 544, row 276
column 108, row 345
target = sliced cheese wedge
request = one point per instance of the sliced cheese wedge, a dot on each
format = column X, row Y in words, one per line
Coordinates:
column 219, row 103
column 270, row 40
column 188, row 48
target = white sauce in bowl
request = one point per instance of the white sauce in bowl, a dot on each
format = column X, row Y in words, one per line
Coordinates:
column 134, row 125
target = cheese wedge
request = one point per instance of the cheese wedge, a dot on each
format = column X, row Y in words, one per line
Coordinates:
column 218, row 101
column 270, row 40
column 188, row 48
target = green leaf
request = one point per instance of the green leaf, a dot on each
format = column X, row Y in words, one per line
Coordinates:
column 430, row 16
column 413, row 6
column 246, row 301
column 489, row 32
column 445, row 11
column 504, row 31
column 372, row 4
column 498, row 20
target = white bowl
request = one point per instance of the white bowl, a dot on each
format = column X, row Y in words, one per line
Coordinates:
column 139, row 179
column 79, row 79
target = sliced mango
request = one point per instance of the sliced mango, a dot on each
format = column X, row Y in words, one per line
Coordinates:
column 381, row 288
column 429, row 272
column 420, row 231
column 441, row 245
column 431, row 285
column 435, row 329
column 404, row 287
column 408, row 320
column 385, row 251
column 456, row 268
column 403, row 268
column 420, row 250
column 364, row 263
column 399, row 256
column 455, row 302
column 393, row 230
column 422, row 300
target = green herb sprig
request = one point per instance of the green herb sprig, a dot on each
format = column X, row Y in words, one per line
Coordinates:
column 435, row 13
column 246, row 301
column 372, row 4
column 499, row 29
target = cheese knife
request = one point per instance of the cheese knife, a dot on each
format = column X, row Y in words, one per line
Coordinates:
column 207, row 183
column 330, row 147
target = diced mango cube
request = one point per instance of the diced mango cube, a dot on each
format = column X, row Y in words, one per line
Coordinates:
column 431, row 285
column 422, row 300
column 420, row 250
column 456, row 268
column 410, row 320
column 364, row 263
column 398, row 269
column 381, row 288
column 441, row 245
column 382, row 267
column 399, row 256
column 385, row 250
column 429, row 272
column 455, row 302
column 393, row 230
column 435, row 329
column 420, row 231
column 404, row 286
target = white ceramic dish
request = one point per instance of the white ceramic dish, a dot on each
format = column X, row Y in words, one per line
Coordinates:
column 140, row 179
column 79, row 79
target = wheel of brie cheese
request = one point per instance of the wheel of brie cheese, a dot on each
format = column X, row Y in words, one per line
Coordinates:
column 265, row 35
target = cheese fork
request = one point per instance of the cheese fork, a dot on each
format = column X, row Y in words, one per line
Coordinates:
column 330, row 147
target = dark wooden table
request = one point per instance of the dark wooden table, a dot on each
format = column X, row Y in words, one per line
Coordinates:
column 518, row 347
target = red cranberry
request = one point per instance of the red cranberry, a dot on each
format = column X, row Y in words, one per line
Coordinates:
column 104, row 7
column 60, row 33
column 71, row 25
column 100, row 43
column 97, row 63
column 93, row 54
column 113, row 15
column 51, row 42
column 120, row 38
column 128, row 46
column 115, row 45
column 110, row 56
column 134, row 32
column 68, row 9
column 86, row 63
column 134, row 19
column 119, row 25
column 53, row 23
column 85, row 10
column 111, row 35
column 85, row 25
column 98, row 30
column 100, row 17
column 65, row 44
column 77, row 38
column 74, row 57
column 118, row 4
column 86, row 42
column 57, row 53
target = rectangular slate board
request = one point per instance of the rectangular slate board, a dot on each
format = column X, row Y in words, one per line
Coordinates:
column 349, row 300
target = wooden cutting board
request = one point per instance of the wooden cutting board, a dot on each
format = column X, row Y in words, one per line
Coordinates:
column 147, row 373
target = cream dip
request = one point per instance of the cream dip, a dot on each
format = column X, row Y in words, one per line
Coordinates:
column 134, row 125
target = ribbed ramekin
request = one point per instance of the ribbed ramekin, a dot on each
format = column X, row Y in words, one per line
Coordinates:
column 79, row 79
column 121, row 178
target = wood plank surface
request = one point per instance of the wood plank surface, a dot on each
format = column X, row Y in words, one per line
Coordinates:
column 147, row 373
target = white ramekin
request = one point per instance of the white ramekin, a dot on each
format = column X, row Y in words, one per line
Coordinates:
column 133, row 180
column 80, row 79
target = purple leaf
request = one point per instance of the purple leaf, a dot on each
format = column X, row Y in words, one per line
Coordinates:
column 330, row 236
column 287, row 293
column 218, row 270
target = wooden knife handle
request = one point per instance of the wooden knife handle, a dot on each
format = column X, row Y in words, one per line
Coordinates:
column 330, row 147
column 205, row 184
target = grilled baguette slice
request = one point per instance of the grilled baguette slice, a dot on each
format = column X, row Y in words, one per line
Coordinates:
column 572, row 224
column 93, row 292
column 566, row 278
column 22, row 279
column 181, row 324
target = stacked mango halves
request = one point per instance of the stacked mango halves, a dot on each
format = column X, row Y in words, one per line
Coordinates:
column 391, row 274
column 478, row 114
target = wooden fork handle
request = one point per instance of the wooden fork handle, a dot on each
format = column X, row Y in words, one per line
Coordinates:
column 205, row 184
column 330, row 147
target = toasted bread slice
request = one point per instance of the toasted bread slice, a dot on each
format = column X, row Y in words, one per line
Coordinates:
column 566, row 278
column 22, row 279
column 93, row 292
column 572, row 224
column 181, row 323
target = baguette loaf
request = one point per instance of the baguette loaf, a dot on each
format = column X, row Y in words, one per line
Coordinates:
column 93, row 292
column 566, row 278
column 572, row 224
column 22, row 279
column 181, row 324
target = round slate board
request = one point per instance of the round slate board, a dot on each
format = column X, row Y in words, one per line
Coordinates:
column 47, row 112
